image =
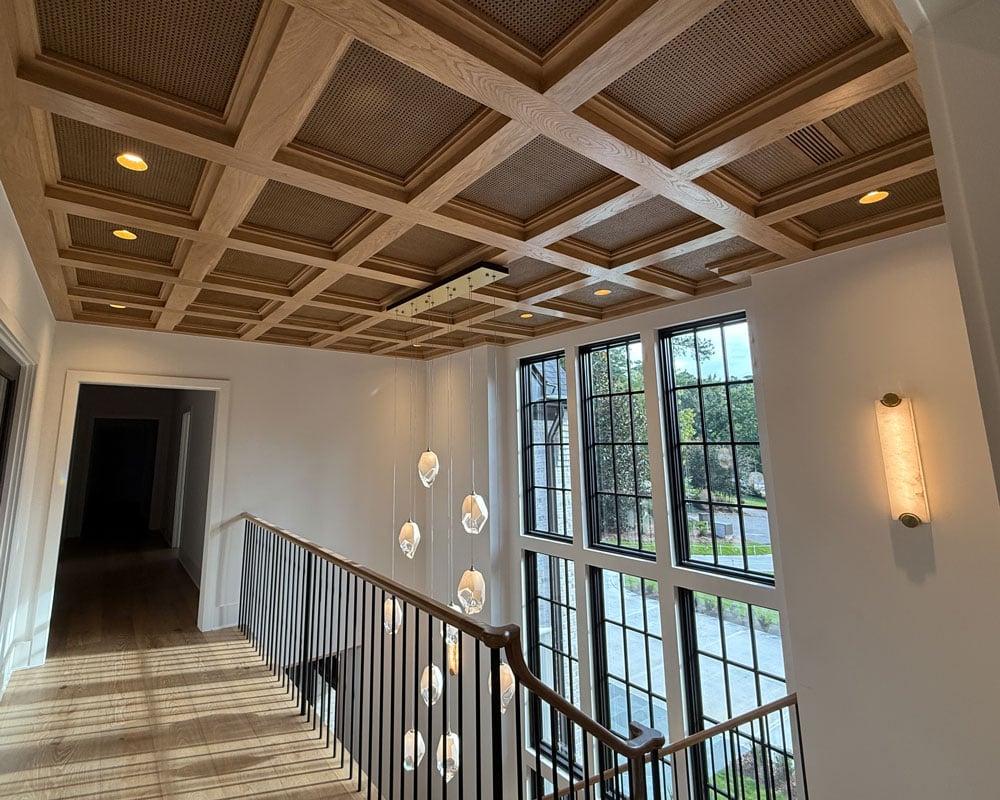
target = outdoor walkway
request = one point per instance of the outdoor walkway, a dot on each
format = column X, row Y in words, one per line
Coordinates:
column 135, row 702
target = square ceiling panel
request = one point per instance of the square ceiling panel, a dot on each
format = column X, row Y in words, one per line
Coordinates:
column 640, row 222
column 328, row 319
column 95, row 234
column 912, row 191
column 539, row 25
column 263, row 269
column 361, row 288
column 227, row 301
column 87, row 155
column 288, row 209
column 526, row 271
column 535, row 320
column 380, row 113
column 617, row 296
column 192, row 323
column 737, row 52
column 426, row 247
column 693, row 265
column 109, row 282
column 187, row 49
column 889, row 117
column 123, row 316
column 535, row 178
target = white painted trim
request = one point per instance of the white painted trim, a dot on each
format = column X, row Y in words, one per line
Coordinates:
column 210, row 609
column 181, row 484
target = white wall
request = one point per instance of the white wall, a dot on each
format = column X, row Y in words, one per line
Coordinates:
column 890, row 633
column 26, row 321
column 201, row 405
column 309, row 446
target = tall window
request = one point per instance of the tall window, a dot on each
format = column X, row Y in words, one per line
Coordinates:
column 736, row 664
column 552, row 648
column 717, row 479
column 628, row 651
column 616, row 447
column 547, row 501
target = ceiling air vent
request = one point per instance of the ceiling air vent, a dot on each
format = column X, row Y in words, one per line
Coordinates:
column 816, row 145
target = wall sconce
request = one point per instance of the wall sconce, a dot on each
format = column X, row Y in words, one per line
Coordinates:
column 904, row 474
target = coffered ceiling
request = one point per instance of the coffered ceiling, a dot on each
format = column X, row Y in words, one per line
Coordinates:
column 313, row 162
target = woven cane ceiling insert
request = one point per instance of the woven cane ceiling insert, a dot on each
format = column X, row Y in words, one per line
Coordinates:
column 381, row 113
column 741, row 49
column 185, row 48
column 312, row 164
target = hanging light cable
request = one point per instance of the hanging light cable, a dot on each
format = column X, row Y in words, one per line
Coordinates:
column 392, row 611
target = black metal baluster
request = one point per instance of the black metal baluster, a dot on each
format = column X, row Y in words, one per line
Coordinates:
column 354, row 678
column 330, row 651
column 251, row 594
column 588, row 790
column 497, row 752
column 282, row 602
column 341, row 649
column 431, row 750
column 553, row 726
column 519, row 740
column 342, row 680
column 256, row 582
column 416, row 694
column 319, row 667
column 460, row 645
column 243, row 579
column 445, row 721
column 271, row 611
column 388, row 636
column 371, row 688
column 479, row 719
column 359, row 755
column 402, row 714
column 293, row 618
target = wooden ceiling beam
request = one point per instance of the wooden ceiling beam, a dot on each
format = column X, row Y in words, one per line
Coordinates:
column 425, row 51
column 857, row 75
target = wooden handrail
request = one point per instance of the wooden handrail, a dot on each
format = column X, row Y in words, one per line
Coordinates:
column 644, row 741
column 681, row 744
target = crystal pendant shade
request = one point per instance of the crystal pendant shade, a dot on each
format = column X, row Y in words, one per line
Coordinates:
column 474, row 513
column 413, row 750
column 409, row 538
column 392, row 615
column 428, row 467
column 447, row 755
column 472, row 591
column 507, row 685
column 431, row 683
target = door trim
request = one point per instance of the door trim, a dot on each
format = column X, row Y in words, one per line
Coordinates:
column 213, row 612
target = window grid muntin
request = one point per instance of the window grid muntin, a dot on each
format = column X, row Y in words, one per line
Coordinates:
column 564, row 500
column 636, row 390
column 562, row 653
column 676, row 447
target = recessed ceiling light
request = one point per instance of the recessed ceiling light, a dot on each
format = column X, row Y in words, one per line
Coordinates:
column 118, row 305
column 527, row 315
column 417, row 344
column 873, row 197
column 602, row 292
column 132, row 161
column 124, row 233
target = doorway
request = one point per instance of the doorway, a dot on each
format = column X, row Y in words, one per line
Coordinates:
column 119, row 492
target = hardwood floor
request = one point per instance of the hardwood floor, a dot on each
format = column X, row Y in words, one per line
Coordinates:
column 134, row 702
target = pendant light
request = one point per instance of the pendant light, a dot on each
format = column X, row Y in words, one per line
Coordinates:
column 472, row 591
column 409, row 538
column 431, row 684
column 507, row 684
column 428, row 467
column 447, row 755
column 392, row 615
column 413, row 750
column 474, row 514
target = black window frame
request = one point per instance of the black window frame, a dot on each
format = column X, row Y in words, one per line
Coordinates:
column 528, row 486
column 586, row 386
column 675, row 476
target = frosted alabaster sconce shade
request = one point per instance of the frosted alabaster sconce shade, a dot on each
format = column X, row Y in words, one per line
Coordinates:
column 447, row 755
column 904, row 473
column 413, row 749
column 507, row 685
column 392, row 615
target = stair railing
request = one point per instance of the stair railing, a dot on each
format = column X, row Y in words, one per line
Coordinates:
column 416, row 699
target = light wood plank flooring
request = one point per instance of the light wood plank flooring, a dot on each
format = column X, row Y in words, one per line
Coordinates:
column 135, row 702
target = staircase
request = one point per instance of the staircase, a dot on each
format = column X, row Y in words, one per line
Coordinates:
column 411, row 698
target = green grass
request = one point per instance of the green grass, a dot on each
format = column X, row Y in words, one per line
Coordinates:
column 704, row 548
